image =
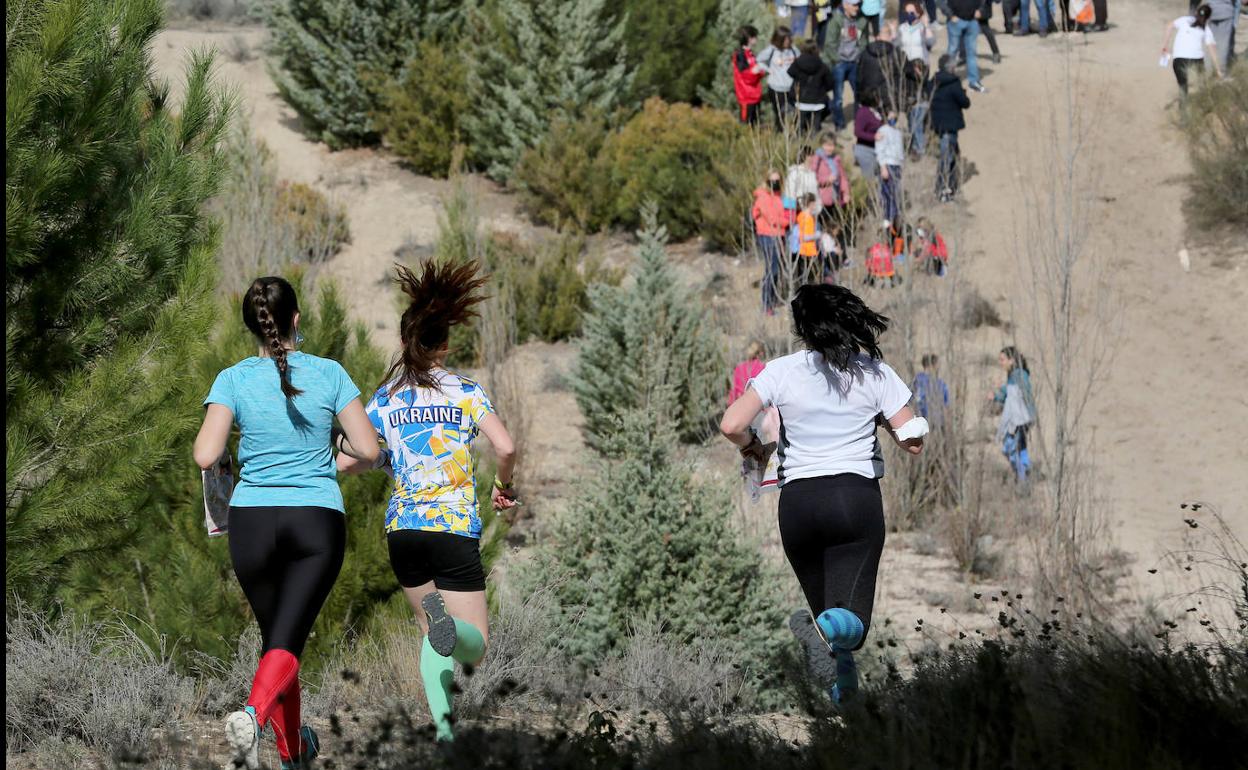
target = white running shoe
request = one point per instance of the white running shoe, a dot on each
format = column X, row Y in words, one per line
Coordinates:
column 243, row 735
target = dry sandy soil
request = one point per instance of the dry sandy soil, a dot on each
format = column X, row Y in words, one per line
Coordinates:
column 1165, row 417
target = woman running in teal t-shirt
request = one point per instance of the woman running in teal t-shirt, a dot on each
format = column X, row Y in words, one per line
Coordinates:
column 286, row 529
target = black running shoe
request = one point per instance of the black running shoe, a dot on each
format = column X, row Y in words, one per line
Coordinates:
column 820, row 662
column 442, row 635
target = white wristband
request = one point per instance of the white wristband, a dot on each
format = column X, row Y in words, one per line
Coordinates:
column 916, row 427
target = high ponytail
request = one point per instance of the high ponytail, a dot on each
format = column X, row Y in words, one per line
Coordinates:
column 834, row 322
column 269, row 309
column 442, row 295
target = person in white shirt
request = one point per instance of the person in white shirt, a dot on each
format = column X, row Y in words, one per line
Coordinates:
column 890, row 153
column 832, row 396
column 801, row 180
column 914, row 34
column 777, row 57
column 1188, row 40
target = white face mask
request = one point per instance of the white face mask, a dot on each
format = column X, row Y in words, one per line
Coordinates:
column 922, row 233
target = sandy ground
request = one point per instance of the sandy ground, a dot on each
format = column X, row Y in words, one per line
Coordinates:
column 1163, row 418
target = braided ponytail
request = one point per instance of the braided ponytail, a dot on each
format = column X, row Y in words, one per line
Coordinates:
column 269, row 309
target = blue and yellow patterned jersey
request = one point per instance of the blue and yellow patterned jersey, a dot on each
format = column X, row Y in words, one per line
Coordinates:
column 428, row 433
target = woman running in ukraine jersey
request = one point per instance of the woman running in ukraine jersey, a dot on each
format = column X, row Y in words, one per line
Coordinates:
column 286, row 528
column 832, row 396
column 428, row 417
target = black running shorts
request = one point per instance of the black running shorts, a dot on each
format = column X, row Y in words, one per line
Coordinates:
column 452, row 562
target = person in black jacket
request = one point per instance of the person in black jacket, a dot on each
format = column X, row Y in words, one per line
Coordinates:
column 949, row 99
column 812, row 79
column 881, row 69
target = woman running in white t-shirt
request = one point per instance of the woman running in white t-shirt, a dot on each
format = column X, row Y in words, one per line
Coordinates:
column 832, row 396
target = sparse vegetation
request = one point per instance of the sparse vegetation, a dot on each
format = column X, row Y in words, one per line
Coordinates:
column 1215, row 123
column 269, row 225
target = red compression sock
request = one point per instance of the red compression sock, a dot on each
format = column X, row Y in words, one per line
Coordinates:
column 277, row 671
column 286, row 723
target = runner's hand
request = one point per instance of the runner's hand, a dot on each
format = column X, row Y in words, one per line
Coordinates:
column 503, row 499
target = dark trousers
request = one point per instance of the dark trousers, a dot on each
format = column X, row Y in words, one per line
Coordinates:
column 1181, row 70
column 947, row 173
column 992, row 39
column 782, row 103
column 749, row 114
column 810, row 121
column 1100, row 11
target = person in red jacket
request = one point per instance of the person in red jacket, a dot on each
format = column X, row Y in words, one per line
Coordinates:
column 747, row 75
column 771, row 221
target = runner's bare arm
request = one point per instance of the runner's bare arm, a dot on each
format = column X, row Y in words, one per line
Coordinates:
column 737, row 419
column 213, row 435
column 913, row 445
column 505, row 455
column 358, row 448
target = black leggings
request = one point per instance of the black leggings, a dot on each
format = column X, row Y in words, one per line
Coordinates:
column 286, row 559
column 1182, row 71
column 832, row 528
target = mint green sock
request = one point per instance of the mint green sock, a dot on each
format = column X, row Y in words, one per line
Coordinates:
column 469, row 643
column 438, row 673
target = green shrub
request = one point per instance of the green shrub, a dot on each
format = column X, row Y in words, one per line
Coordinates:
column 320, row 228
column 563, row 179
column 622, row 328
column 1215, row 122
column 421, row 108
column 332, row 59
column 548, row 284
column 671, row 46
column 665, row 155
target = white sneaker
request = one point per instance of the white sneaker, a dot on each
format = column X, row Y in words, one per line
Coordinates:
column 243, row 735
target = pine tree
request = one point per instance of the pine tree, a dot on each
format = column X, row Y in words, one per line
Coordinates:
column 731, row 17
column 109, row 272
column 332, row 59
column 645, row 541
column 540, row 60
column 671, row 47
column 623, row 323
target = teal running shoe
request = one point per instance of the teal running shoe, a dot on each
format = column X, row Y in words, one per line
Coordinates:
column 311, row 750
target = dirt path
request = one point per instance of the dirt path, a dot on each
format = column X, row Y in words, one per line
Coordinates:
column 1165, row 417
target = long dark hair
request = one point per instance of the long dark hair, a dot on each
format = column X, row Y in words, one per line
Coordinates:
column 833, row 321
column 443, row 294
column 1202, row 16
column 1011, row 352
column 269, row 309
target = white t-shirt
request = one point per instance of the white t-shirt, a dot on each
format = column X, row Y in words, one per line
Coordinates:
column 1190, row 40
column 827, row 416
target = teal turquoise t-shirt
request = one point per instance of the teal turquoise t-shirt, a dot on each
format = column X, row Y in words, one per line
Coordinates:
column 284, row 450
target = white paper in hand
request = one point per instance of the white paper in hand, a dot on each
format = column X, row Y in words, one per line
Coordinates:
column 218, row 489
column 763, row 476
